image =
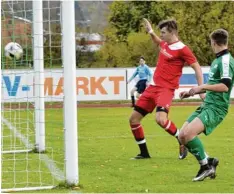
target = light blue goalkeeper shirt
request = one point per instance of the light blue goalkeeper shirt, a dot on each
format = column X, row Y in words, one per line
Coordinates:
column 143, row 72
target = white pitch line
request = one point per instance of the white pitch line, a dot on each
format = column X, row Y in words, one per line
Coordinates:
column 55, row 171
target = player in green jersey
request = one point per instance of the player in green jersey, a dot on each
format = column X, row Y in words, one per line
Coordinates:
column 215, row 106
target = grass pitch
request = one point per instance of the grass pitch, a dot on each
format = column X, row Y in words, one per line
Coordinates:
column 106, row 146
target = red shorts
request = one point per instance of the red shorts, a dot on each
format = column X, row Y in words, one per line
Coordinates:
column 155, row 96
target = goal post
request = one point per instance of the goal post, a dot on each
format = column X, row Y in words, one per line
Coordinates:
column 38, row 63
column 0, row 148
column 70, row 105
column 39, row 134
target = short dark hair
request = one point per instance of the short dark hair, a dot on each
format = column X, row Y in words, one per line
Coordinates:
column 220, row 36
column 171, row 25
column 142, row 58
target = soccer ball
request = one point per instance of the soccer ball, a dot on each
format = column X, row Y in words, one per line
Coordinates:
column 13, row 50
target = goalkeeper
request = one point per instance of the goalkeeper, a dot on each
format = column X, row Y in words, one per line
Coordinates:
column 145, row 75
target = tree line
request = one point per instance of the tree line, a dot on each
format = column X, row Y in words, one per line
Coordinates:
column 126, row 38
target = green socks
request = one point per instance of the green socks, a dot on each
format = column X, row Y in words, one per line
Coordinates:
column 196, row 148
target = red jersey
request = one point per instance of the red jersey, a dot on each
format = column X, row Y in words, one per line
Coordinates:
column 171, row 60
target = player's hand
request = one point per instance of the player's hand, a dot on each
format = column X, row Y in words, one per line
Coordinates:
column 184, row 94
column 195, row 90
column 202, row 96
column 147, row 84
column 148, row 26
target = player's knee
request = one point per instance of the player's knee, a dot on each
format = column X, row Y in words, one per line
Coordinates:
column 184, row 135
column 137, row 95
column 132, row 92
column 181, row 137
column 160, row 120
column 133, row 120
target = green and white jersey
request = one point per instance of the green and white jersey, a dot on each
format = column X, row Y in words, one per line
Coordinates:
column 221, row 67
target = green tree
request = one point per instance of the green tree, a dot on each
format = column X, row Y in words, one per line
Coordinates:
column 121, row 12
column 52, row 47
column 127, row 17
column 195, row 26
column 196, row 20
column 140, row 44
column 114, row 55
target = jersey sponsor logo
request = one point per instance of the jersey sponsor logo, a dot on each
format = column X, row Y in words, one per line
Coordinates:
column 215, row 66
column 211, row 75
column 164, row 52
column 225, row 65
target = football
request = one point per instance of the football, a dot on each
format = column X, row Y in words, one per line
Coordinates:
column 13, row 50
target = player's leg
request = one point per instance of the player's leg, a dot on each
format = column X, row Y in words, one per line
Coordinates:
column 183, row 151
column 138, row 95
column 141, row 88
column 143, row 107
column 164, row 101
column 138, row 133
column 164, row 122
column 134, row 89
column 203, row 120
column 170, row 127
column 163, row 105
column 188, row 137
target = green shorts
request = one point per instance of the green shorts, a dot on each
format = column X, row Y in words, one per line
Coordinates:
column 210, row 116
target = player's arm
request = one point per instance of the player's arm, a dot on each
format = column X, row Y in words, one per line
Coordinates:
column 224, row 85
column 225, row 81
column 220, row 87
column 150, row 30
column 198, row 72
column 133, row 76
column 202, row 89
column 190, row 59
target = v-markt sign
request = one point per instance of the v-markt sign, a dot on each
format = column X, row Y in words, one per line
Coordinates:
column 102, row 84
column 91, row 84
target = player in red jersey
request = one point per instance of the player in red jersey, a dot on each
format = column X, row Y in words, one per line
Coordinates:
column 172, row 57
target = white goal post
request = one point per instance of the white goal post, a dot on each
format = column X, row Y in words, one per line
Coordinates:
column 39, row 145
column 69, row 64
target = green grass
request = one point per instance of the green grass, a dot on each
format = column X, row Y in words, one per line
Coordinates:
column 29, row 169
column 106, row 144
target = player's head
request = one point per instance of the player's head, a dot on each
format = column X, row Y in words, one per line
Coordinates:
column 219, row 38
column 168, row 29
column 142, row 60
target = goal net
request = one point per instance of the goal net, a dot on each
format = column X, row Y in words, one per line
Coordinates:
column 38, row 122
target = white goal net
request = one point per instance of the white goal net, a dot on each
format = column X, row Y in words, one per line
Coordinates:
column 36, row 115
